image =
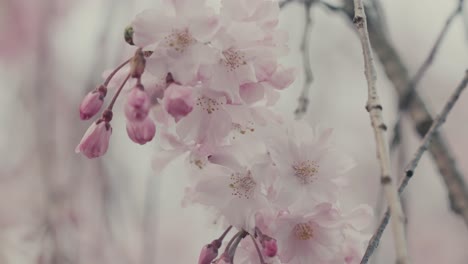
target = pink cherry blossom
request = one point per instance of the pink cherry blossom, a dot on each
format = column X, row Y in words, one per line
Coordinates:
column 96, row 140
column 314, row 237
column 141, row 132
column 179, row 31
column 308, row 164
column 235, row 193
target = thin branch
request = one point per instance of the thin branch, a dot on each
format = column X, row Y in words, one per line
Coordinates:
column 374, row 108
column 308, row 76
column 284, row 3
column 397, row 73
column 430, row 58
column 374, row 242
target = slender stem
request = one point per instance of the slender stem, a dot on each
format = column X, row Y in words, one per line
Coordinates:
column 226, row 250
column 374, row 108
column 374, row 242
column 235, row 244
column 111, row 105
column 111, row 75
column 303, row 100
column 225, row 233
column 262, row 261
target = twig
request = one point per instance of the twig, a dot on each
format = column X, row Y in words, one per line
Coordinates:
column 308, row 76
column 374, row 242
column 259, row 252
column 374, row 108
column 397, row 73
column 430, row 58
column 284, row 3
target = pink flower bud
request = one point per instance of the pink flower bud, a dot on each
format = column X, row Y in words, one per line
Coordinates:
column 178, row 101
column 138, row 104
column 270, row 248
column 141, row 132
column 208, row 254
column 96, row 140
column 91, row 104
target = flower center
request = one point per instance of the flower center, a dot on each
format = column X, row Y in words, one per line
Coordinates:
column 233, row 59
column 207, row 104
column 179, row 40
column 303, row 231
column 305, row 171
column 243, row 186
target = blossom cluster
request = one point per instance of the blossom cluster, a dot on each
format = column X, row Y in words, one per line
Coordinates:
column 209, row 77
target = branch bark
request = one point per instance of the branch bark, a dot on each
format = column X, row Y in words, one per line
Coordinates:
column 374, row 242
column 374, row 108
column 397, row 73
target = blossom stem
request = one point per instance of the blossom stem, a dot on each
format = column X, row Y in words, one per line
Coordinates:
column 112, row 74
column 226, row 250
column 232, row 249
column 225, row 233
column 262, row 261
column 117, row 93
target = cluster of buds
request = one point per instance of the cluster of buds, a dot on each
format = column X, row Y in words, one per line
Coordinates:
column 268, row 249
column 140, row 127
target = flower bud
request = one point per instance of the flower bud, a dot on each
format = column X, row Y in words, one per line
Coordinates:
column 92, row 103
column 269, row 247
column 208, row 254
column 141, row 132
column 178, row 101
column 96, row 140
column 138, row 104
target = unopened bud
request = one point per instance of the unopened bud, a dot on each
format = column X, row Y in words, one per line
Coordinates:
column 269, row 247
column 96, row 140
column 178, row 101
column 138, row 64
column 92, row 103
column 138, row 104
column 208, row 254
column 141, row 132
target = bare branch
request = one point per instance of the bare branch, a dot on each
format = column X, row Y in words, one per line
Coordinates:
column 284, row 3
column 374, row 108
column 303, row 103
column 374, row 242
column 397, row 74
column 430, row 58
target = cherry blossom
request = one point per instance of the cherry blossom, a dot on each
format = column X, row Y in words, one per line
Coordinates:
column 208, row 79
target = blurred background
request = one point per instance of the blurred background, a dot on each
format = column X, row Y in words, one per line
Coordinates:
column 59, row 207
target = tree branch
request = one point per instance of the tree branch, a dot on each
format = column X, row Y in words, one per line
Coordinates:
column 303, row 100
column 430, row 58
column 374, row 108
column 397, row 73
column 456, row 189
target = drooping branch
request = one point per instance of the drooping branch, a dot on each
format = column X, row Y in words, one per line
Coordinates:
column 303, row 100
column 396, row 71
column 460, row 195
column 374, row 108
column 430, row 58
